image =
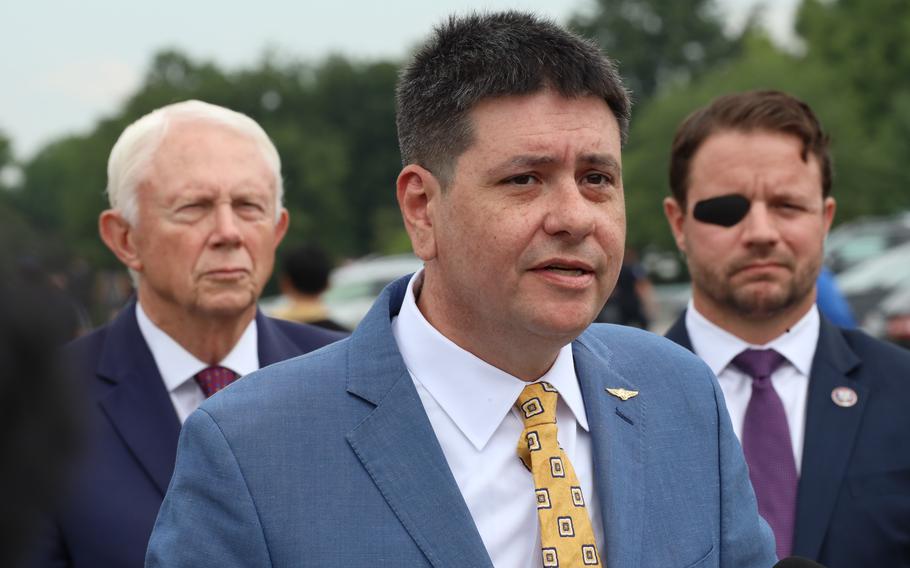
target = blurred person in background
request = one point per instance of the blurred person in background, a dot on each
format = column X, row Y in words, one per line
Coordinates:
column 196, row 215
column 831, row 302
column 40, row 417
column 632, row 300
column 821, row 411
column 73, row 319
column 303, row 277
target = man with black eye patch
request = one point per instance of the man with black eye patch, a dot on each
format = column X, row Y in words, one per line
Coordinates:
column 820, row 411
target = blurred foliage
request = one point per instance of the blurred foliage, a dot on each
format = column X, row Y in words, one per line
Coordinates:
column 333, row 121
column 657, row 43
column 6, row 152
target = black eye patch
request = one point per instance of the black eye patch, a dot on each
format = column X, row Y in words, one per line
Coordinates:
column 725, row 210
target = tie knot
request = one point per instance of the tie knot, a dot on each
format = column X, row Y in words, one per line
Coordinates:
column 213, row 379
column 758, row 363
column 537, row 404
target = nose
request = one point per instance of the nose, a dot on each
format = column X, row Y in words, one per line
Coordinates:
column 570, row 215
column 759, row 227
column 226, row 232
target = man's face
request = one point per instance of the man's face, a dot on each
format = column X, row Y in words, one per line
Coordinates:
column 526, row 241
column 766, row 264
column 206, row 234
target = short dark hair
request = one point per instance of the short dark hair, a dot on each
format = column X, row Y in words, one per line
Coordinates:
column 479, row 56
column 307, row 267
column 771, row 111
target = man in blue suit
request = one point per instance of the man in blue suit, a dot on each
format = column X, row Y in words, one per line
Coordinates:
column 195, row 192
column 750, row 178
column 397, row 447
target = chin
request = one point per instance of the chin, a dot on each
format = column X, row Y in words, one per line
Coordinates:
column 563, row 325
column 227, row 305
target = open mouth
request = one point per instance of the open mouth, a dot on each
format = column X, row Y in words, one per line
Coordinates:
column 566, row 270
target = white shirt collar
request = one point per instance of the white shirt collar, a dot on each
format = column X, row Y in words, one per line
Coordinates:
column 717, row 347
column 177, row 365
column 476, row 395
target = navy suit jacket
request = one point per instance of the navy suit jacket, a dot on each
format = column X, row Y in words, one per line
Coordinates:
column 117, row 488
column 329, row 459
column 853, row 500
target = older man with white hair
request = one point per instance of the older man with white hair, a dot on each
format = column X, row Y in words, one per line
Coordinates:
column 195, row 192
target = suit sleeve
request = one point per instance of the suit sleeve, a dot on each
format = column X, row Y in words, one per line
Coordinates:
column 208, row 517
column 746, row 539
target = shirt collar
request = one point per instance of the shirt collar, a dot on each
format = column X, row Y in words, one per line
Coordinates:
column 177, row 365
column 476, row 395
column 717, row 346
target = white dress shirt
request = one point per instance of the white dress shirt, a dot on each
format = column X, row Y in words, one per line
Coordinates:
column 178, row 366
column 470, row 404
column 717, row 347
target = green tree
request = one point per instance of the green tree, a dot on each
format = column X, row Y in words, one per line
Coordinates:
column 864, row 47
column 657, row 42
column 6, row 151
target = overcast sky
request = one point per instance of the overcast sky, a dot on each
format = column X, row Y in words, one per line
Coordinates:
column 65, row 64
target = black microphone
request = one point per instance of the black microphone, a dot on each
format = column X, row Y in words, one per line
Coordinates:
column 797, row 562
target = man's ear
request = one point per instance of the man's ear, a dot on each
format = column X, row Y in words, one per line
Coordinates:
column 418, row 191
column 119, row 236
column 675, row 218
column 281, row 227
column 830, row 207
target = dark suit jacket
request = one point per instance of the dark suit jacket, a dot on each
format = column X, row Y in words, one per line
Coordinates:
column 117, row 490
column 853, row 502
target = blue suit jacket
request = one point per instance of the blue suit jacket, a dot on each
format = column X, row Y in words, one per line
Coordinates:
column 119, row 485
column 853, row 500
column 330, row 460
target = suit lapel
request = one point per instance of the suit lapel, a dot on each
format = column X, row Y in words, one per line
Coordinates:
column 829, row 438
column 616, row 436
column 399, row 450
column 678, row 333
column 137, row 403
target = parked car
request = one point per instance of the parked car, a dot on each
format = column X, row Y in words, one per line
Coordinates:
column 354, row 286
column 852, row 243
column 891, row 318
column 867, row 284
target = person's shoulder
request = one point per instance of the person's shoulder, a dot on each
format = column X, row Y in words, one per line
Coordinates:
column 634, row 343
column 892, row 360
column 679, row 389
column 863, row 343
column 87, row 348
column 651, row 357
column 307, row 334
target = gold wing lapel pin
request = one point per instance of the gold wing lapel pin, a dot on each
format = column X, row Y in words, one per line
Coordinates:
column 622, row 394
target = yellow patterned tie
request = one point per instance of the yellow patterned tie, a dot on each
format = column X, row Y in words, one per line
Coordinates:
column 566, row 536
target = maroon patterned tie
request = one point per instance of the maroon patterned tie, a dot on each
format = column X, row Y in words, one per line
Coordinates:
column 213, row 379
column 767, row 446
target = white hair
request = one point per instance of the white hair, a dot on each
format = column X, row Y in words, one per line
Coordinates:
column 128, row 165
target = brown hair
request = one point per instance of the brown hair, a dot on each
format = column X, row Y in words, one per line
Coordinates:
column 771, row 111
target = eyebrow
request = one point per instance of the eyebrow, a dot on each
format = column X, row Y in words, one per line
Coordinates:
column 533, row 160
column 605, row 161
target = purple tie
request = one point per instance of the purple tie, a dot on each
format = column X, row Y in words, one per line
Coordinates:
column 213, row 379
column 766, row 443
